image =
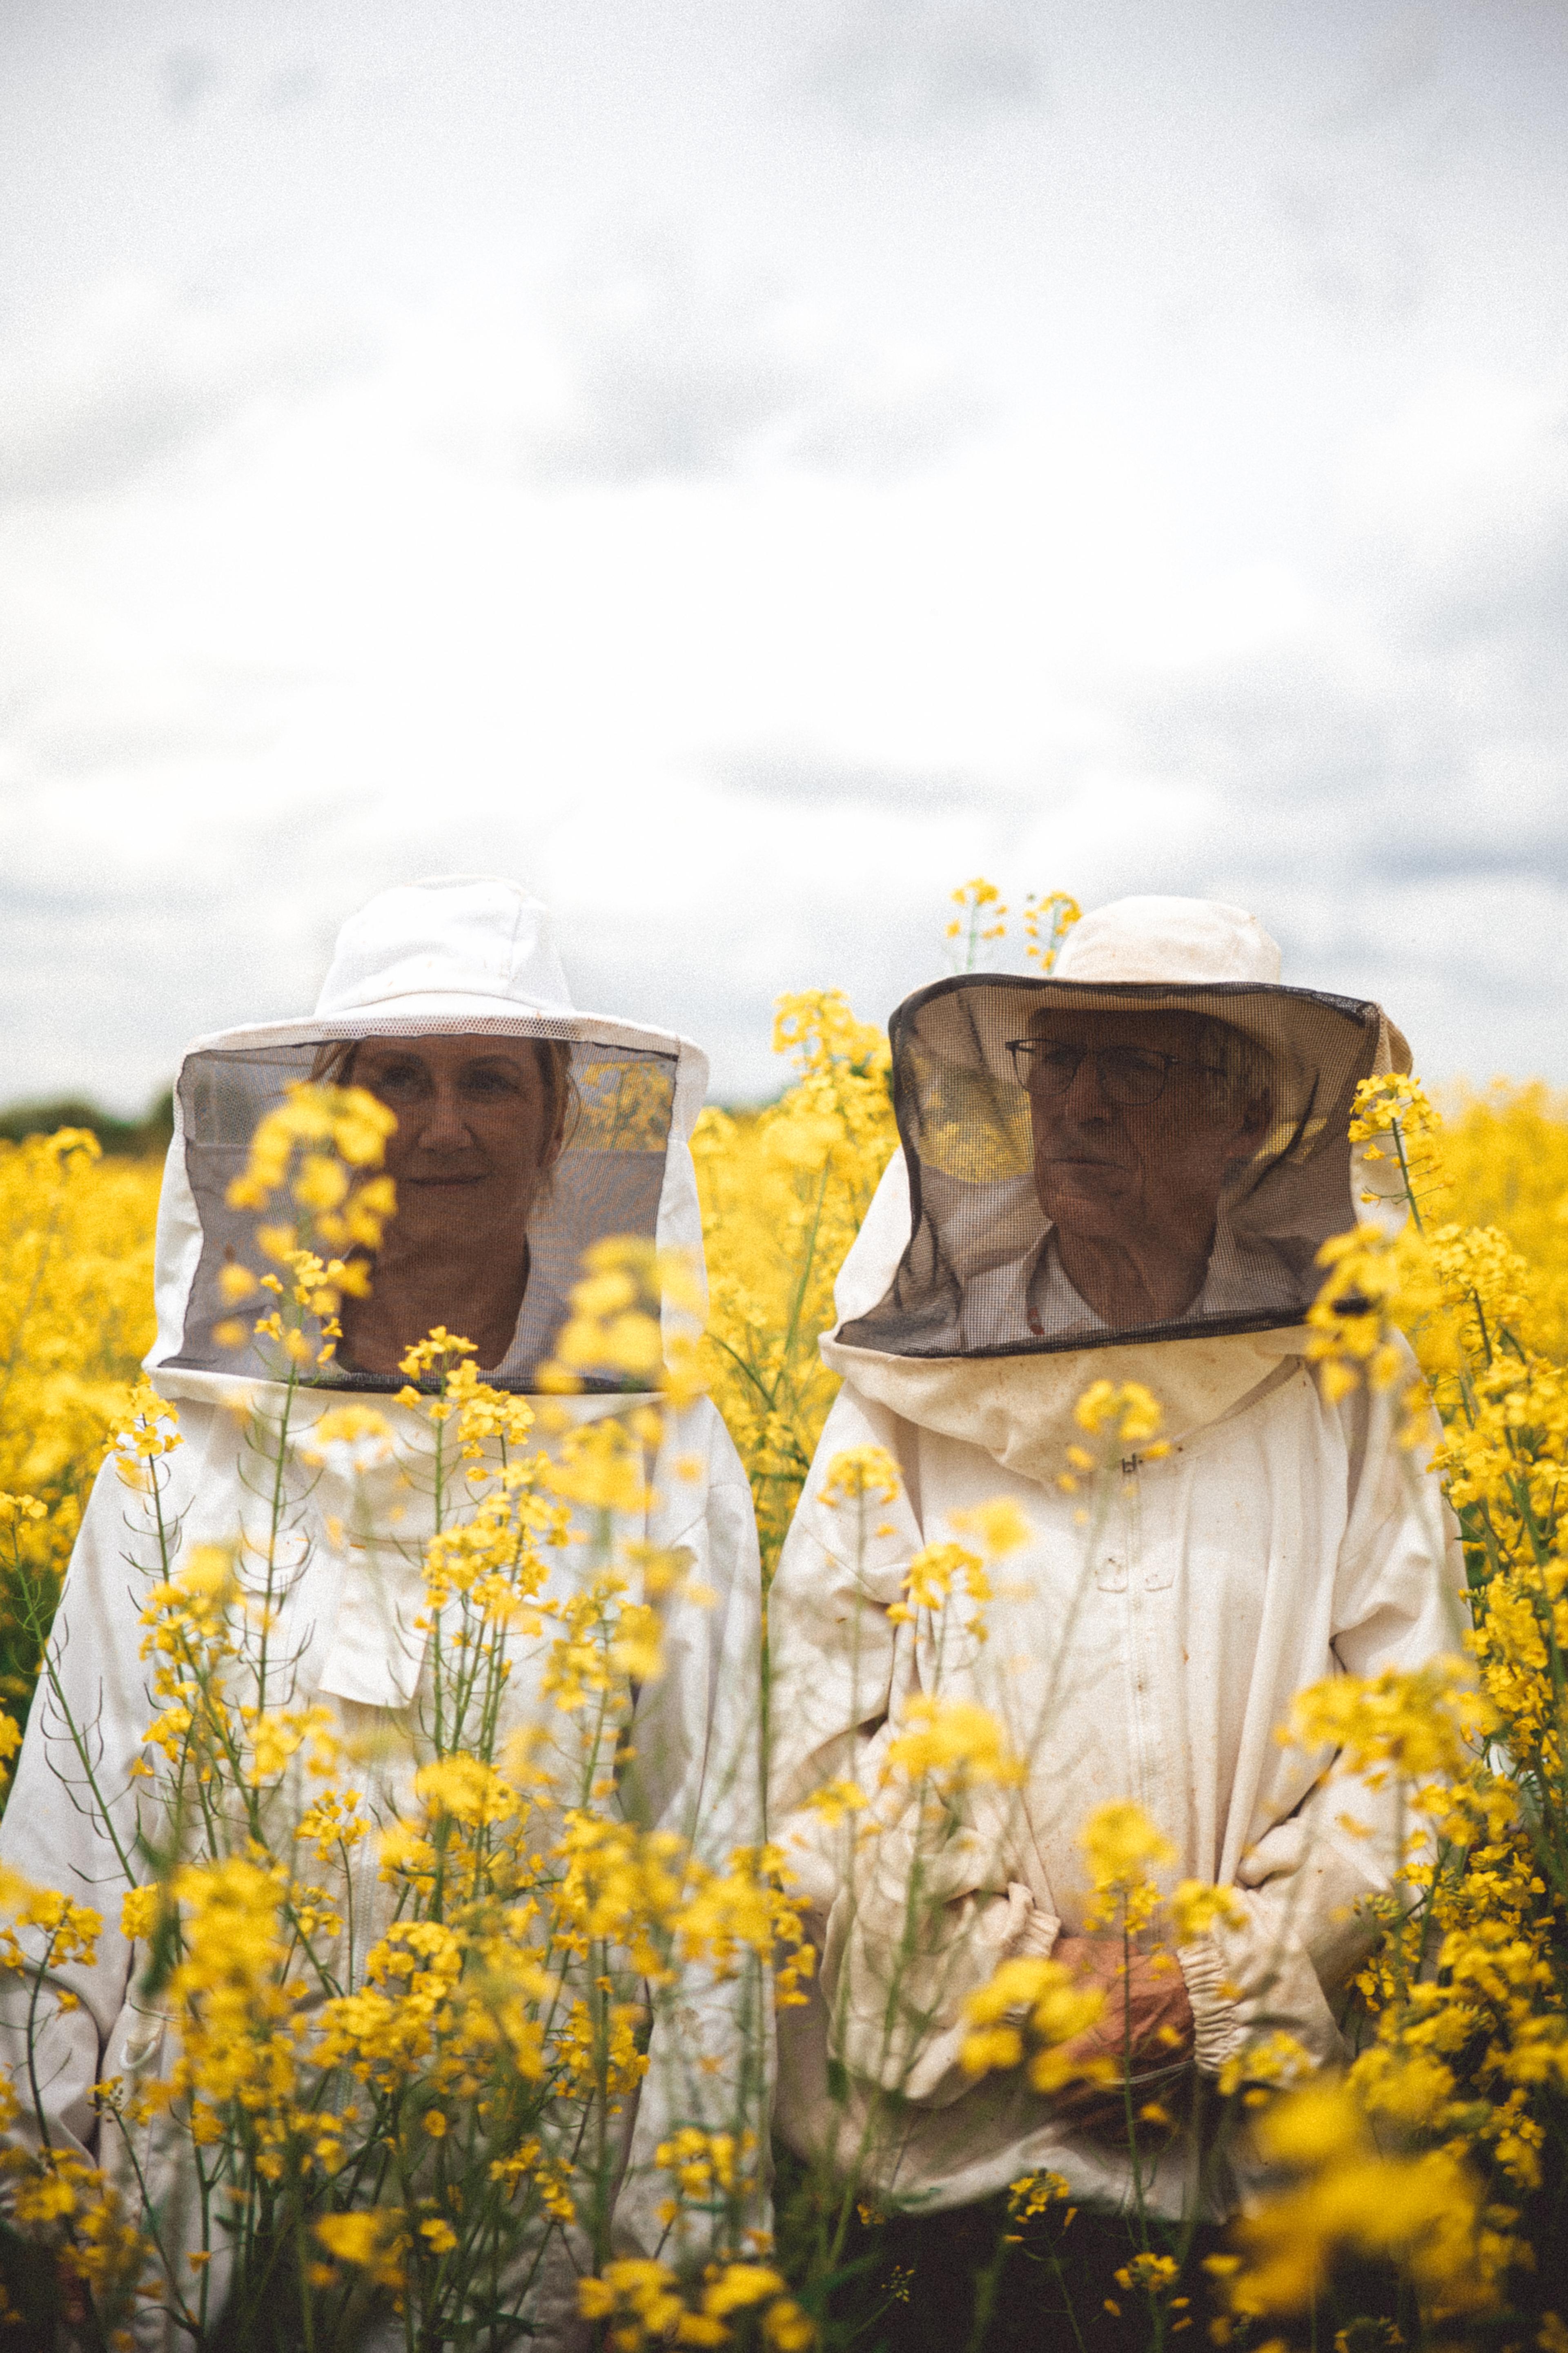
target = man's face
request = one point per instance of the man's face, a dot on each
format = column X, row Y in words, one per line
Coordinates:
column 1111, row 1169
column 474, row 1136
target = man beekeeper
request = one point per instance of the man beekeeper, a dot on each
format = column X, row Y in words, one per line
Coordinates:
column 525, row 1130
column 1123, row 1171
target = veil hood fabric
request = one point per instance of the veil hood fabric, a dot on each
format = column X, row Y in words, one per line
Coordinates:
column 951, row 1311
column 465, row 954
column 1019, row 1409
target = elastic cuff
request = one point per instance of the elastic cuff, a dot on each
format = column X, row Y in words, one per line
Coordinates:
column 1216, row 2027
column 1037, row 1938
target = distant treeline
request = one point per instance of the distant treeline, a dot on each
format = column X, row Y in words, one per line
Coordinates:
column 138, row 1139
column 148, row 1138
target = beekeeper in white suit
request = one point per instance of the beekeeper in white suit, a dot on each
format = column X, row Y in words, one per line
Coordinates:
column 525, row 1130
column 1123, row 1170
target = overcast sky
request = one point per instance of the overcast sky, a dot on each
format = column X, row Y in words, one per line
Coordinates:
column 744, row 465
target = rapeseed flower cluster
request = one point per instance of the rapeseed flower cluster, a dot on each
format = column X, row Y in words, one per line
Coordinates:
column 403, row 1999
column 313, row 1150
column 641, row 2303
column 1447, row 2139
column 76, row 1316
column 400, row 2010
column 783, row 1192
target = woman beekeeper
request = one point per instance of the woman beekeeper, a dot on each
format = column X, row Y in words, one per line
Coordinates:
column 524, row 1133
column 1123, row 1171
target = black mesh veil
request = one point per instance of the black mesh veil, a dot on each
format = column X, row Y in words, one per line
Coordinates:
column 1093, row 1163
column 618, row 1101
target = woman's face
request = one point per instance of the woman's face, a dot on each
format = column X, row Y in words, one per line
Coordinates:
column 474, row 1136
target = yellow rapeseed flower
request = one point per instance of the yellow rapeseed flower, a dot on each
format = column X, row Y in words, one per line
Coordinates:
column 955, row 1744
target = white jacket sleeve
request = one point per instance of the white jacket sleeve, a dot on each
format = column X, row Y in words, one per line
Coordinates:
column 833, row 1650
column 1302, row 1885
column 912, row 1910
column 73, row 1788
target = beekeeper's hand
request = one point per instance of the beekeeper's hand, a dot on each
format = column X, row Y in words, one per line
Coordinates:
column 1147, row 2023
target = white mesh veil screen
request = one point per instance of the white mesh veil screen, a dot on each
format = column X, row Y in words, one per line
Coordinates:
column 618, row 1101
column 1092, row 1163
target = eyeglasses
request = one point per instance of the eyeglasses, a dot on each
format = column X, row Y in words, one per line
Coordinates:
column 1129, row 1075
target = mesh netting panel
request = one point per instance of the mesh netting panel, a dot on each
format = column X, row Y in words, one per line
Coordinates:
column 616, row 1105
column 1090, row 1162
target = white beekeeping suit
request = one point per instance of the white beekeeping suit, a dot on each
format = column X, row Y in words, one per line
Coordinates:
column 461, row 959
column 1149, row 1657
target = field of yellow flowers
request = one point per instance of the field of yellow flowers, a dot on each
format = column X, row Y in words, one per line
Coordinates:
column 1425, row 2198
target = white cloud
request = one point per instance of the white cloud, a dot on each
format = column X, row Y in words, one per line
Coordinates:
column 728, row 799
column 186, row 75
column 142, row 375
column 87, row 692
column 914, row 65
column 784, row 773
column 698, row 585
column 676, row 369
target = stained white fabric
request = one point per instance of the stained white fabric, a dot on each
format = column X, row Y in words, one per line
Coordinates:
column 346, row 1609
column 1149, row 1655
column 1161, row 939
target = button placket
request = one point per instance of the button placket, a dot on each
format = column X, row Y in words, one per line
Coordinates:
column 1133, row 1614
column 1110, row 1567
column 1160, row 1570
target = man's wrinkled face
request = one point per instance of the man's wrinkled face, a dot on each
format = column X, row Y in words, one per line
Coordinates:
column 474, row 1133
column 1134, row 1133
